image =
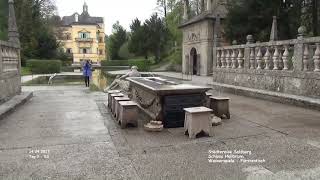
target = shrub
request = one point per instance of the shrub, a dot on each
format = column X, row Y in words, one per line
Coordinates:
column 115, row 63
column 44, row 66
column 142, row 64
column 123, row 52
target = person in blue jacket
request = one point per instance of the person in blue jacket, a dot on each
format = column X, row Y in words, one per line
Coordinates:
column 87, row 72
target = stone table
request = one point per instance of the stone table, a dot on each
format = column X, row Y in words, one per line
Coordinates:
column 164, row 100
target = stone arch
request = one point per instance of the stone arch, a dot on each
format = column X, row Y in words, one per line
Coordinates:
column 194, row 62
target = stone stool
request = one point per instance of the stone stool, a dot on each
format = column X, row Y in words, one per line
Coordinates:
column 116, row 106
column 208, row 95
column 112, row 100
column 109, row 96
column 220, row 106
column 128, row 113
column 197, row 119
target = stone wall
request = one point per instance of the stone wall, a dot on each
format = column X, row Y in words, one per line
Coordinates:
column 10, row 80
column 9, row 86
column 290, row 66
column 10, row 61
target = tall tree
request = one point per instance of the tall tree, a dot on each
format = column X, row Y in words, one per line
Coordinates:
column 137, row 41
column 163, row 4
column 116, row 40
column 156, row 33
column 255, row 17
column 3, row 19
column 34, row 25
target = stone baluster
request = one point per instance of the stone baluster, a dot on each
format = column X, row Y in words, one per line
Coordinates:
column 240, row 59
column 234, row 59
column 316, row 58
column 218, row 58
column 259, row 58
column 223, row 59
column 285, row 58
column 228, row 58
column 275, row 58
column 252, row 58
column 267, row 59
column 305, row 57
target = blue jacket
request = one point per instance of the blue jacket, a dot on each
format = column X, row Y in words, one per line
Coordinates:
column 87, row 70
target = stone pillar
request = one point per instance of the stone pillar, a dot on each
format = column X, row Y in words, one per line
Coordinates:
column 247, row 53
column 217, row 32
column 216, row 40
column 274, row 30
column 202, row 6
column 298, row 50
column 185, row 10
column 13, row 33
column 0, row 61
column 209, row 5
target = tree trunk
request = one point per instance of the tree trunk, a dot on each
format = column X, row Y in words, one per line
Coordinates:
column 315, row 17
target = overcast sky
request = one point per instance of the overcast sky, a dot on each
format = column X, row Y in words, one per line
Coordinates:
column 112, row 10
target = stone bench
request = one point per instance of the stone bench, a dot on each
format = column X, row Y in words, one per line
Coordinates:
column 128, row 113
column 112, row 100
column 220, row 106
column 116, row 106
column 109, row 96
column 197, row 120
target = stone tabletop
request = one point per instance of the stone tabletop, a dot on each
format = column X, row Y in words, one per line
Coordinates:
column 113, row 91
column 121, row 98
column 127, row 103
column 117, row 95
column 163, row 86
column 219, row 98
column 197, row 110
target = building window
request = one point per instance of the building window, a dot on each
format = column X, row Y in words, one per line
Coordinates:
column 84, row 35
column 68, row 37
column 100, row 39
column 101, row 52
column 85, row 50
column 69, row 51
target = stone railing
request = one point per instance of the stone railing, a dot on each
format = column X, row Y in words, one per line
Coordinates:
column 286, row 55
column 290, row 66
column 10, row 57
column 10, row 79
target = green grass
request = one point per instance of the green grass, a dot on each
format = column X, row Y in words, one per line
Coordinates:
column 25, row 71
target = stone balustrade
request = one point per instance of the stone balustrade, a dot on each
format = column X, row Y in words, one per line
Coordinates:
column 289, row 66
column 10, row 79
column 277, row 55
column 10, row 57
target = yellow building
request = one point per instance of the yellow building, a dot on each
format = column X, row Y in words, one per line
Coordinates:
column 83, row 37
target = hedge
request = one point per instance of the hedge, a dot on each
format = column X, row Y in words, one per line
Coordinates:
column 44, row 66
column 142, row 64
column 115, row 63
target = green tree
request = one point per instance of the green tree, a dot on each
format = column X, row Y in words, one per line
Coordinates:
column 35, row 25
column 137, row 41
column 116, row 40
column 156, row 34
column 255, row 17
column 3, row 19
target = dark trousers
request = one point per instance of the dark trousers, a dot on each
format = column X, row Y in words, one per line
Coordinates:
column 87, row 81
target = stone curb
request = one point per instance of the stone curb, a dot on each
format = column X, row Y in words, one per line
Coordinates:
column 16, row 101
column 302, row 101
